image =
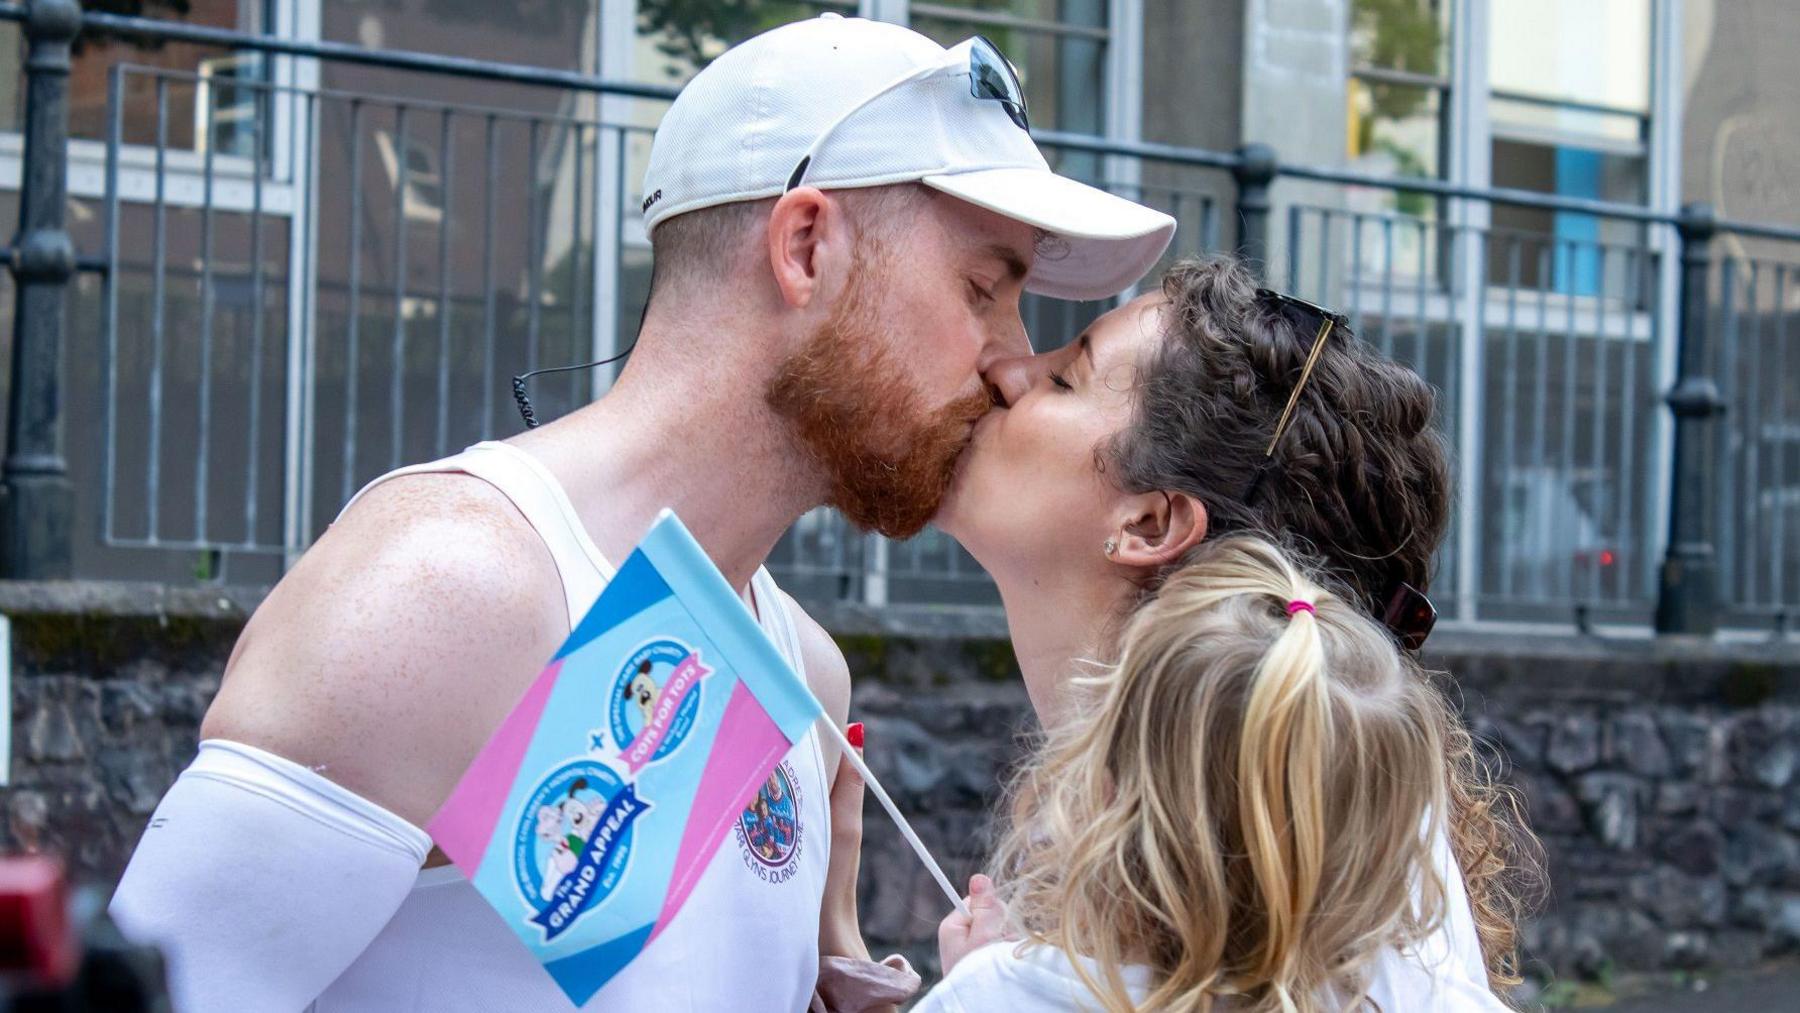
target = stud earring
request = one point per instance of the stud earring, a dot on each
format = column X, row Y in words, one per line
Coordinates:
column 1111, row 546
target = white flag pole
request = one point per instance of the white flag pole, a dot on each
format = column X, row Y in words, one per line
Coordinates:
column 893, row 811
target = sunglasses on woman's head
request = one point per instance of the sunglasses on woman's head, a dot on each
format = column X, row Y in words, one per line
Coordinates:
column 1409, row 616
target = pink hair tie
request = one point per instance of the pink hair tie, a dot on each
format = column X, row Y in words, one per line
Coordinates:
column 1297, row 605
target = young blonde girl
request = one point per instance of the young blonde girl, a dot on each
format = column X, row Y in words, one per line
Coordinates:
column 1241, row 814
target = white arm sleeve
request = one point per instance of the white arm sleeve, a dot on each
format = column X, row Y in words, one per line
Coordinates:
column 262, row 880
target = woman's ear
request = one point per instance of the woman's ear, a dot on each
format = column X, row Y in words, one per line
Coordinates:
column 1158, row 529
column 799, row 226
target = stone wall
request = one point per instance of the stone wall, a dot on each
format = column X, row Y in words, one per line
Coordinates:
column 1661, row 775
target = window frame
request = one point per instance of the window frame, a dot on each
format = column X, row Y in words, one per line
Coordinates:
column 1468, row 135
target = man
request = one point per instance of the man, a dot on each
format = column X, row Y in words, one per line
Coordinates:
column 843, row 216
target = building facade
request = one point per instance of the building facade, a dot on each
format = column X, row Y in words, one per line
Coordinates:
column 321, row 268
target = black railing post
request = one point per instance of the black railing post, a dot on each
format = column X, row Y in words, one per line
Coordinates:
column 36, row 498
column 1254, row 172
column 1687, row 600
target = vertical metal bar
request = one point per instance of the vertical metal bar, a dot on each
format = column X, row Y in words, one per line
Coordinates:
column 1509, row 426
column 1540, row 439
column 1597, row 429
column 1629, row 493
column 446, row 184
column 1324, row 286
column 576, row 376
column 300, row 459
column 1725, row 449
column 487, row 283
column 109, row 286
column 875, row 567
column 37, row 500
column 159, row 273
column 1353, row 287
column 1420, row 325
column 1749, row 416
column 203, row 402
column 397, row 364
column 533, row 257
column 353, row 329
column 1468, row 365
column 1726, row 502
column 1778, row 480
column 618, row 245
column 1387, row 286
column 252, row 464
column 1294, row 213
column 1566, row 524
column 604, row 269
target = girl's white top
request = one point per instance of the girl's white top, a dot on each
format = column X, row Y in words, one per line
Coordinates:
column 1443, row 973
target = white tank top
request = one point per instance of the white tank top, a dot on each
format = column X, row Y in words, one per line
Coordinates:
column 748, row 937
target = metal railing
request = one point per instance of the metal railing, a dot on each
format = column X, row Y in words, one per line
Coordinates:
column 315, row 285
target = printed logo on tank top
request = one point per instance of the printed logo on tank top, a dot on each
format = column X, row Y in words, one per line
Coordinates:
column 768, row 832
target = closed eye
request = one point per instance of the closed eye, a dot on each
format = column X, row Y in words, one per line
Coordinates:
column 978, row 292
column 1058, row 379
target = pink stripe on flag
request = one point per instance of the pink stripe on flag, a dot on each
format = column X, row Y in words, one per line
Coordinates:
column 748, row 746
column 466, row 822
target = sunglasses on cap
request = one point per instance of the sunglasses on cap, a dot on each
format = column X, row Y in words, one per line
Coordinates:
column 991, row 78
column 1407, row 613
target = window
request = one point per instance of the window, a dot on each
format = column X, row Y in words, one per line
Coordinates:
column 678, row 38
column 1569, row 113
column 1398, row 92
column 193, row 102
column 423, row 199
column 1058, row 46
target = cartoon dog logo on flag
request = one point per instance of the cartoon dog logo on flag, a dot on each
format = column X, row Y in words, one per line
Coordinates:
column 655, row 700
column 573, row 842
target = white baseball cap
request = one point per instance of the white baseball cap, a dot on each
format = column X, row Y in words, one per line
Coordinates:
column 839, row 102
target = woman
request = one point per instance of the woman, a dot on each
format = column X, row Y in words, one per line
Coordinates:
column 1111, row 465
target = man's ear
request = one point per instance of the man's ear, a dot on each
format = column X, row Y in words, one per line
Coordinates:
column 805, row 226
column 1158, row 528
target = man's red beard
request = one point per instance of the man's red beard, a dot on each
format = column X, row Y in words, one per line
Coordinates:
column 887, row 458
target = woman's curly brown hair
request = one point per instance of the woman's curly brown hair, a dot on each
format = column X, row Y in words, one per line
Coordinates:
column 1359, row 481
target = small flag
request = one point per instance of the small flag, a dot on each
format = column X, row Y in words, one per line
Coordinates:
column 588, row 818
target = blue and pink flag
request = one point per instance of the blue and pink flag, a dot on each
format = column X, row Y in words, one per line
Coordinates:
column 589, row 816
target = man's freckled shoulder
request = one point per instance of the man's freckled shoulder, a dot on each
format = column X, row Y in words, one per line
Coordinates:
column 413, row 623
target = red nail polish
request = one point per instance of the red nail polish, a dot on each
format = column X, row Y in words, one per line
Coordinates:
column 855, row 734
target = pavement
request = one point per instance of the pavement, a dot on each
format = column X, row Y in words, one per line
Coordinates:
column 1772, row 988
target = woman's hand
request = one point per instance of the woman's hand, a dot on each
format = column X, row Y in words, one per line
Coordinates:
column 960, row 934
column 840, row 930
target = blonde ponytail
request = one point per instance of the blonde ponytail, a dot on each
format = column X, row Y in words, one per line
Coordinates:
column 1281, row 778
column 1244, row 801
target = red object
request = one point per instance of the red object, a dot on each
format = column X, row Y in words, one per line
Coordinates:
column 1606, row 557
column 36, row 938
column 855, row 734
